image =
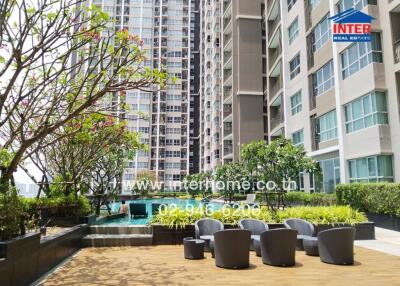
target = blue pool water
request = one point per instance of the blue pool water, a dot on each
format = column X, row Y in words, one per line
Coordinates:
column 180, row 203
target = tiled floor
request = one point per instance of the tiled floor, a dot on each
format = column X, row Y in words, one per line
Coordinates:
column 387, row 241
column 164, row 265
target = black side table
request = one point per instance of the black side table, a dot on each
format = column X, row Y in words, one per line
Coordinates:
column 193, row 248
column 311, row 245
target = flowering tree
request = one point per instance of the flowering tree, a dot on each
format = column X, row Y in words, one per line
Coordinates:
column 60, row 60
column 278, row 161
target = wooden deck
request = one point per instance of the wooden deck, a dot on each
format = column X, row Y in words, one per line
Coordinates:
column 164, row 265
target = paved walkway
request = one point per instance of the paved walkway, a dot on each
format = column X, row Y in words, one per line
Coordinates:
column 165, row 265
column 387, row 241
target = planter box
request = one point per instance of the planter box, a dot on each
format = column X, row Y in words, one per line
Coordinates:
column 364, row 231
column 385, row 221
column 21, row 257
column 55, row 248
column 163, row 235
column 26, row 258
column 72, row 221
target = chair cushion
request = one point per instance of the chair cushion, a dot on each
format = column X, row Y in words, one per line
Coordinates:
column 207, row 237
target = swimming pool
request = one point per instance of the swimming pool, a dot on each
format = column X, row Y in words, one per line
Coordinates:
column 180, row 203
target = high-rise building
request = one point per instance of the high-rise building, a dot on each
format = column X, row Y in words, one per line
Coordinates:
column 231, row 89
column 270, row 69
column 165, row 118
column 338, row 100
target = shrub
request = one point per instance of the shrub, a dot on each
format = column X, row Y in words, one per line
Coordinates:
column 307, row 199
column 378, row 198
column 67, row 206
column 323, row 215
column 179, row 218
column 11, row 214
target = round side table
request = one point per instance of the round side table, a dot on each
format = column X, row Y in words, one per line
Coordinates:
column 193, row 248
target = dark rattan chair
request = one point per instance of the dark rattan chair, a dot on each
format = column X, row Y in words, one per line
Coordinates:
column 205, row 229
column 255, row 226
column 336, row 245
column 138, row 210
column 278, row 247
column 232, row 248
column 303, row 227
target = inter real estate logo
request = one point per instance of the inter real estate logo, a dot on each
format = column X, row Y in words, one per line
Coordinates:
column 351, row 26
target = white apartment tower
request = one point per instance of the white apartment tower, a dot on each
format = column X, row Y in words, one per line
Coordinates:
column 339, row 100
column 163, row 117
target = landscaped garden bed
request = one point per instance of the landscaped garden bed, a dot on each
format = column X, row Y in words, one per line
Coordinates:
column 172, row 225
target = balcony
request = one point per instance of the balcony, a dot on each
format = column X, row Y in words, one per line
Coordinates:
column 227, row 129
column 227, row 7
column 227, row 92
column 396, row 51
column 227, row 110
column 227, row 76
column 274, row 50
column 395, row 24
column 228, row 148
column 277, row 115
column 272, row 24
column 275, row 85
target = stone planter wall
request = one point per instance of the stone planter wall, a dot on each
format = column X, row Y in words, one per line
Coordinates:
column 163, row 235
column 385, row 221
column 27, row 258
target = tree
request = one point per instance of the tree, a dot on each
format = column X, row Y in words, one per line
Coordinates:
column 233, row 176
column 59, row 60
column 144, row 182
column 195, row 184
column 280, row 161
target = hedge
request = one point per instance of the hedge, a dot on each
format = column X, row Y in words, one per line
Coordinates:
column 306, row 199
column 377, row 198
column 313, row 199
column 179, row 218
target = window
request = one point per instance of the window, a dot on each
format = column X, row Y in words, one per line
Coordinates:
column 298, row 138
column 313, row 4
column 172, row 165
column 366, row 111
column 142, row 165
column 290, row 4
column 321, row 33
column 295, row 102
column 294, row 66
column 293, row 30
column 172, row 154
column 327, row 126
column 173, row 142
column 300, row 182
column 344, row 5
column 371, row 169
column 323, row 79
column 361, row 54
column 173, row 119
column 330, row 171
column 145, row 130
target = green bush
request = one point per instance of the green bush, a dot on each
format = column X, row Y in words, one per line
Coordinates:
column 323, row 215
column 307, row 199
column 11, row 214
column 179, row 218
column 378, row 198
column 60, row 206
